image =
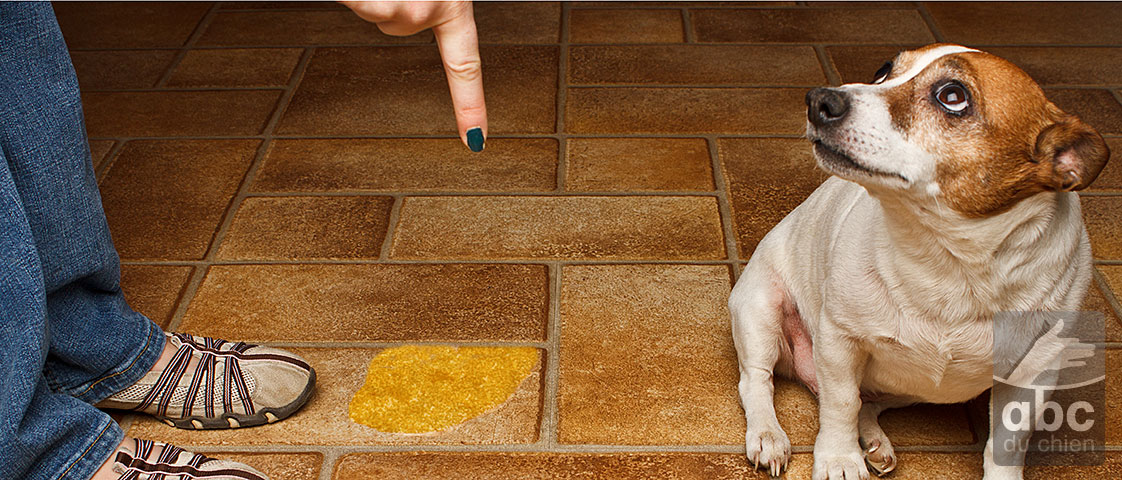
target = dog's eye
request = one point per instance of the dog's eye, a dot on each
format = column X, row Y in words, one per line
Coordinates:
column 882, row 73
column 953, row 97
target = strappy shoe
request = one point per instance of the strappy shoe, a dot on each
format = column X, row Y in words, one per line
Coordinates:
column 160, row 461
column 231, row 385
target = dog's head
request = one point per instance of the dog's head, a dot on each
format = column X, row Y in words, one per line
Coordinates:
column 957, row 124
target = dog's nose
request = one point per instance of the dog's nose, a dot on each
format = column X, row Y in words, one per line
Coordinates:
column 825, row 106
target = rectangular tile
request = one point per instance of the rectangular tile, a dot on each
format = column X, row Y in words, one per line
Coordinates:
column 859, row 63
column 543, row 466
column 517, row 22
column 99, row 150
column 291, row 228
column 638, row 164
column 154, row 290
column 233, row 67
column 408, row 164
column 815, row 25
column 1100, row 215
column 1110, row 178
column 165, row 198
column 625, row 26
column 278, row 466
column 403, row 90
column 1028, row 22
column 308, row 27
column 1097, row 301
column 1059, row 66
column 624, row 228
column 109, row 69
column 165, row 114
column 128, row 24
column 325, row 421
column 284, row 5
column 1114, row 397
column 1099, row 108
column 686, row 110
column 345, row 303
column 694, row 65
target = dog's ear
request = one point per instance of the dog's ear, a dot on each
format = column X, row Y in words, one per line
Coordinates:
column 1070, row 153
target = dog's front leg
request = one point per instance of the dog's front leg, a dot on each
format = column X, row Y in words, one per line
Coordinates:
column 839, row 363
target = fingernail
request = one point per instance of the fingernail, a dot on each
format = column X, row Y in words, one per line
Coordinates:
column 475, row 139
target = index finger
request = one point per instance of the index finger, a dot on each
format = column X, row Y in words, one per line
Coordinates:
column 459, row 50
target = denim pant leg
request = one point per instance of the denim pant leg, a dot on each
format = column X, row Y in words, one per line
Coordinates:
column 67, row 337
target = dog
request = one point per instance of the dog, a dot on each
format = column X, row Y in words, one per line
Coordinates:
column 951, row 199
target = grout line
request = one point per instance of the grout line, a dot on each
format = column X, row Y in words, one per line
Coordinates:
column 1117, row 95
column 325, row 344
column 1108, row 293
column 453, row 136
column 109, row 160
column 930, row 21
column 331, row 458
column 724, row 208
column 203, row 24
column 343, row 450
column 562, row 100
column 550, row 433
column 384, row 193
column 589, row 44
column 430, row 261
column 828, row 67
column 391, row 227
column 687, row 27
column 188, row 293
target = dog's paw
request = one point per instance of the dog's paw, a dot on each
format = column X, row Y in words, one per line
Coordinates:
column 768, row 448
column 879, row 455
column 840, row 467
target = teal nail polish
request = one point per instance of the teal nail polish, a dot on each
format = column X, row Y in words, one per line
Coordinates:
column 475, row 139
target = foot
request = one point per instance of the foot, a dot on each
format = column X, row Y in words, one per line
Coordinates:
column 879, row 455
column 839, row 464
column 205, row 383
column 137, row 459
column 769, row 448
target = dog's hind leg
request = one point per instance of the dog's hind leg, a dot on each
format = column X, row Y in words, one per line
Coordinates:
column 879, row 455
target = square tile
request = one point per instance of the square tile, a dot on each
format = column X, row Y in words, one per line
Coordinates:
column 814, row 25
column 278, row 466
column 325, row 421
column 290, row 228
column 154, row 290
column 99, row 150
column 408, row 164
column 625, row 26
column 992, row 23
column 638, row 164
column 622, row 228
column 249, row 67
column 1099, row 108
column 1059, row 66
column 647, row 356
column 686, row 110
column 517, row 22
column 694, row 65
column 165, row 114
column 112, row 69
column 371, row 303
column 1100, row 215
column 128, row 24
column 767, row 178
column 403, row 90
column 859, row 63
column 165, row 198
column 298, row 28
column 543, row 466
column 1110, row 178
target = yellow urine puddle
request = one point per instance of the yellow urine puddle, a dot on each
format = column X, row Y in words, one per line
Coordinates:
column 417, row 389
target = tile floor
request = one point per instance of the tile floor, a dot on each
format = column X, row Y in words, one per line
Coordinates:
column 284, row 173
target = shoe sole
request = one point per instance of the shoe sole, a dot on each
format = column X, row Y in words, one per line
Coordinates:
column 263, row 416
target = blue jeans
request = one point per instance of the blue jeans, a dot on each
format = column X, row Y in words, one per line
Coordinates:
column 67, row 337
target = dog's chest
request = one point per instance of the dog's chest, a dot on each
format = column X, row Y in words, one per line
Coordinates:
column 935, row 365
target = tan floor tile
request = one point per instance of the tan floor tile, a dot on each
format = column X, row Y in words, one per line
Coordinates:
column 325, row 421
column 859, row 63
column 120, row 68
column 1096, row 301
column 154, row 290
column 278, row 466
column 1027, row 22
column 308, row 27
column 403, row 90
column 128, row 24
column 319, row 303
column 159, row 114
column 99, row 149
column 694, row 65
column 331, row 165
column 1096, row 107
column 1111, row 176
column 647, row 356
column 1100, row 215
column 767, row 178
column 1058, row 66
column 633, row 228
column 518, row 22
column 1114, row 397
column 686, row 110
column 625, row 26
column 251, row 67
column 638, row 164
column 1109, row 469
column 892, row 26
column 165, row 199
column 286, row 228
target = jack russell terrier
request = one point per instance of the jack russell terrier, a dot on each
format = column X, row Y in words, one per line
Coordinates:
column 951, row 200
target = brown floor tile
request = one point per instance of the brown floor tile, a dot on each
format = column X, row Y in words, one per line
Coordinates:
column 287, row 228
column 317, row 303
column 1109, row 469
column 154, row 289
column 633, row 228
column 128, row 24
column 647, row 356
column 1114, row 397
column 278, row 466
column 99, row 149
column 859, row 63
column 308, row 27
column 1110, row 179
column 1096, row 107
column 312, row 5
column 811, row 26
column 331, row 165
column 625, row 26
column 638, row 164
column 518, row 22
column 165, row 199
column 1100, row 215
column 120, row 68
column 767, row 178
column 694, row 65
column 1058, row 66
column 403, row 90
column 686, row 110
column 1095, row 301
column 1028, row 22
column 325, row 421
column 251, row 67
column 160, row 114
